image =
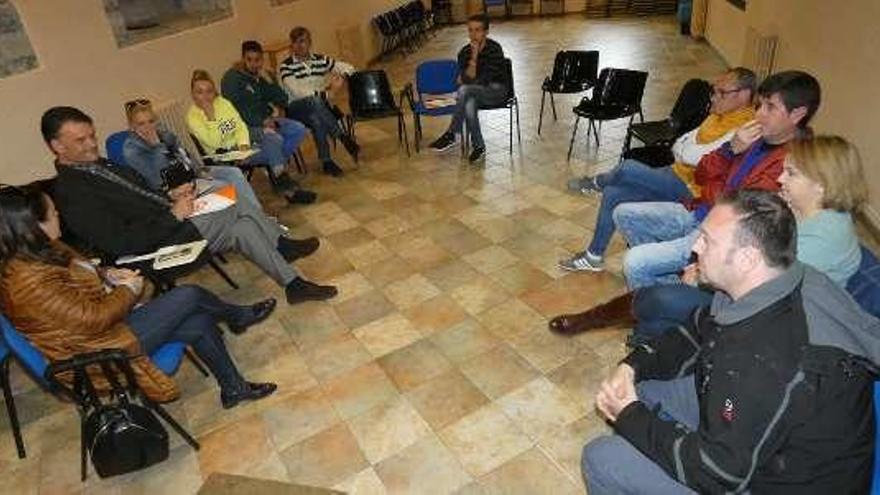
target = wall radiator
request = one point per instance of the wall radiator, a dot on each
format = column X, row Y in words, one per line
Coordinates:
column 760, row 53
column 171, row 116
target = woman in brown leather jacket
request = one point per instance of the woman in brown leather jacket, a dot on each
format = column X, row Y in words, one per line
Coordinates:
column 65, row 305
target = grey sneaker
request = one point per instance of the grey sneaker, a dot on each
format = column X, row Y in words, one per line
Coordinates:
column 582, row 262
column 585, row 185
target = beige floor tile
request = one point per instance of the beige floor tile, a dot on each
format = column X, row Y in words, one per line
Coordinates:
column 464, row 341
column 366, row 254
column 543, row 349
column 451, row 274
column 325, row 459
column 479, row 295
column 298, row 417
column 498, row 371
column 337, row 356
column 426, row 467
column 464, row 242
column 325, row 263
column 530, row 472
column 387, row 226
column 366, row 482
column 328, row 218
column 310, row 325
column 490, row 259
column 410, row 291
column 414, row 364
column 435, row 314
column 387, row 429
column 484, row 439
column 363, row 309
column 349, row 286
column 446, row 398
column 540, row 407
column 178, row 474
column 350, row 238
column 565, row 445
column 235, row 447
column 387, row 334
column 359, row 390
column 511, row 316
column 387, row 271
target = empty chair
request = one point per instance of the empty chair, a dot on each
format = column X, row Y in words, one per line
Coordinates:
column 489, row 4
column 370, row 98
column 617, row 94
column 433, row 78
column 574, row 71
column 691, row 108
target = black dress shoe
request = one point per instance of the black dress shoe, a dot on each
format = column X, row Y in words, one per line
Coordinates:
column 331, row 168
column 293, row 249
column 250, row 391
column 283, row 182
column 301, row 290
column 258, row 312
column 301, row 197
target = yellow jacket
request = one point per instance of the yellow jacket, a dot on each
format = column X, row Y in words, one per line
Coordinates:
column 227, row 130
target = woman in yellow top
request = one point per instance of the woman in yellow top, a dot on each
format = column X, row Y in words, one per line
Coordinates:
column 218, row 127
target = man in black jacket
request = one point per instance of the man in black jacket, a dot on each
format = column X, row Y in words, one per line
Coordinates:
column 483, row 82
column 769, row 390
column 115, row 210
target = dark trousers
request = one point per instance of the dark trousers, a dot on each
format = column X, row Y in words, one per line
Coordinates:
column 660, row 308
column 316, row 115
column 189, row 314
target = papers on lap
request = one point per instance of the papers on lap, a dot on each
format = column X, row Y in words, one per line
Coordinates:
column 439, row 101
column 233, row 156
column 169, row 256
column 217, row 200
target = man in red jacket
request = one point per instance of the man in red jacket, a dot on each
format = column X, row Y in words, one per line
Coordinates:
column 660, row 235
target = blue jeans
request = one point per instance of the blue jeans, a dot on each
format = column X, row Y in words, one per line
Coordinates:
column 316, row 115
column 663, row 307
column 632, row 181
column 189, row 314
column 660, row 236
column 611, row 465
column 277, row 147
column 468, row 102
column 234, row 175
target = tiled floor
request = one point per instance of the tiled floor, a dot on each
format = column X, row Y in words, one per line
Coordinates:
column 432, row 371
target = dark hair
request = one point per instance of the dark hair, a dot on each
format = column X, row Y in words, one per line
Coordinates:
column 766, row 223
column 297, row 32
column 745, row 79
column 481, row 18
column 251, row 46
column 55, row 118
column 21, row 211
column 796, row 89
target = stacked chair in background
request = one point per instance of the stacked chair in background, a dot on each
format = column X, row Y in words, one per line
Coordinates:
column 404, row 28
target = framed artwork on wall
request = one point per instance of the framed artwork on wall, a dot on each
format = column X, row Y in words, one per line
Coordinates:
column 136, row 21
column 16, row 54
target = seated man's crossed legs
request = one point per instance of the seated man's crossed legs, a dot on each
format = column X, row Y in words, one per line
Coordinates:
column 243, row 228
column 630, row 182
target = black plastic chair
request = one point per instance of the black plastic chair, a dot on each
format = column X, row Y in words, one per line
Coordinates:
column 691, row 108
column 510, row 102
column 617, row 94
column 370, row 98
column 574, row 71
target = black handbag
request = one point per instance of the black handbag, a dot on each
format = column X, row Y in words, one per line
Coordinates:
column 124, row 437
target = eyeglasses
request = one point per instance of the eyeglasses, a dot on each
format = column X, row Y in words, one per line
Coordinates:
column 724, row 92
column 138, row 103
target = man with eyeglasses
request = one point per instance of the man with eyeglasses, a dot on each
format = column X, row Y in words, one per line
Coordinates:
column 634, row 180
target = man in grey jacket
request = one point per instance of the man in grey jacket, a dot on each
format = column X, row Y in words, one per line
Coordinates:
column 768, row 391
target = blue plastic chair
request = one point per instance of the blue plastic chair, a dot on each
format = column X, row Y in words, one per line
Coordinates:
column 114, row 144
column 167, row 358
column 434, row 77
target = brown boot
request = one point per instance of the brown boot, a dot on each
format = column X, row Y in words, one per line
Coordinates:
column 617, row 311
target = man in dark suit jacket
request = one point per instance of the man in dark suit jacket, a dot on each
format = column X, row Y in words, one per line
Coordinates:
column 114, row 209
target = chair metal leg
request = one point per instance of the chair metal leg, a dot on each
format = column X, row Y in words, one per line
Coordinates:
column 225, row 276
column 553, row 107
column 541, row 115
column 573, row 133
column 83, row 454
column 222, row 258
column 417, row 131
column 174, row 424
column 510, row 128
column 10, row 407
column 518, row 130
column 196, row 361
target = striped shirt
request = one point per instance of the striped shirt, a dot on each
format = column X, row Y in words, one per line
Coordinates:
column 305, row 77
